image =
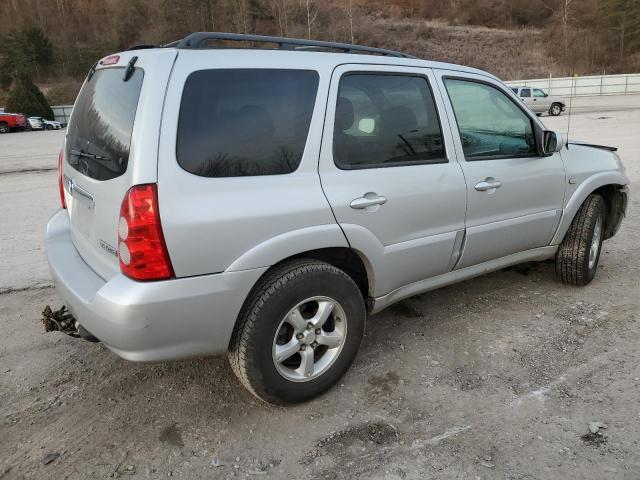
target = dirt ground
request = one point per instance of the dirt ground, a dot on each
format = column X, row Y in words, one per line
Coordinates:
column 494, row 378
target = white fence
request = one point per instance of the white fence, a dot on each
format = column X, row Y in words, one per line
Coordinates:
column 561, row 86
column 584, row 86
column 62, row 113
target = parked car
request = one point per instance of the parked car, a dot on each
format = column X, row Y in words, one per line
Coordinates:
column 35, row 123
column 12, row 121
column 274, row 198
column 539, row 101
column 51, row 124
column 40, row 123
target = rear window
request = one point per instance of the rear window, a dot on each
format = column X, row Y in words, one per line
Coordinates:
column 245, row 122
column 99, row 133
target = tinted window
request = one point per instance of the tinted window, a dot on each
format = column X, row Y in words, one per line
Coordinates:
column 245, row 122
column 386, row 120
column 490, row 124
column 515, row 90
column 538, row 93
column 525, row 92
column 99, row 133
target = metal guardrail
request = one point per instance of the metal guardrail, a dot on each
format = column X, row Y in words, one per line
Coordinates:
column 591, row 85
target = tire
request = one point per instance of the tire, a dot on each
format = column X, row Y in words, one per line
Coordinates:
column 556, row 109
column 298, row 286
column 578, row 255
column 48, row 127
column 4, row 128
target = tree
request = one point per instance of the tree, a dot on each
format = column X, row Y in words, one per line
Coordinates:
column 312, row 15
column 349, row 11
column 26, row 51
column 25, row 97
column 623, row 19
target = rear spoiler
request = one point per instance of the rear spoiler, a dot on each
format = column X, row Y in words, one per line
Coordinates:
column 601, row 147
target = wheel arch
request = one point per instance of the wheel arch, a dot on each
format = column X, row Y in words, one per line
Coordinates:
column 612, row 187
column 325, row 243
column 615, row 198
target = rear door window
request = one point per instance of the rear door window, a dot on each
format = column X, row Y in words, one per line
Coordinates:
column 245, row 122
column 385, row 120
column 99, row 133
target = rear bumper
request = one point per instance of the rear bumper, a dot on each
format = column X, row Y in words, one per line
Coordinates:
column 147, row 321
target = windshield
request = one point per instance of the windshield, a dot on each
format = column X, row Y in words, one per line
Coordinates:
column 99, row 133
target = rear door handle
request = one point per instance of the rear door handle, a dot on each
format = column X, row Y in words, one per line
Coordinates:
column 79, row 193
column 488, row 184
column 369, row 200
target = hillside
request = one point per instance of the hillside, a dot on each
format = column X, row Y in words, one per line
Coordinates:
column 56, row 42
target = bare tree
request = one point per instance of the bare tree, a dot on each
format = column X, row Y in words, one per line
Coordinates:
column 312, row 15
column 566, row 17
column 279, row 11
column 349, row 11
column 240, row 15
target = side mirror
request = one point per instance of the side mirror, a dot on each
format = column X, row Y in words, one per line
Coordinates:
column 553, row 142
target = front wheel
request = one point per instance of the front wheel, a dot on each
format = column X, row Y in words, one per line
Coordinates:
column 298, row 332
column 555, row 110
column 578, row 255
column 4, row 128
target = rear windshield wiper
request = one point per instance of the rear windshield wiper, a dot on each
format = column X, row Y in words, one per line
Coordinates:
column 80, row 153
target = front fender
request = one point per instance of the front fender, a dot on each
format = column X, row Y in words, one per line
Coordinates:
column 580, row 194
column 289, row 244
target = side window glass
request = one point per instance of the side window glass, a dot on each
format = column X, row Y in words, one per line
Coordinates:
column 525, row 92
column 386, row 120
column 539, row 93
column 491, row 126
column 245, row 122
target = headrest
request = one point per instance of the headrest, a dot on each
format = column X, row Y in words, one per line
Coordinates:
column 344, row 114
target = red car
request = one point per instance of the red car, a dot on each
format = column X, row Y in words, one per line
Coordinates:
column 12, row 121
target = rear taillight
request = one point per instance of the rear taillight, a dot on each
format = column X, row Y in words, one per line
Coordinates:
column 60, row 182
column 141, row 248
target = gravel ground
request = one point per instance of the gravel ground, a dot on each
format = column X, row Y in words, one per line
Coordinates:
column 497, row 377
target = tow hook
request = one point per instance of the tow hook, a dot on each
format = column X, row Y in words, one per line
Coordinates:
column 62, row 321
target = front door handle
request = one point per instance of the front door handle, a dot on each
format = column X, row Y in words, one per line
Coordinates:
column 370, row 199
column 488, row 184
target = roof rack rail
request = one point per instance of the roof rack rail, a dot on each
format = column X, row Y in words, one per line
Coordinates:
column 199, row 40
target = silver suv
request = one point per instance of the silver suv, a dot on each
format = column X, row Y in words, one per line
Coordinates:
column 261, row 203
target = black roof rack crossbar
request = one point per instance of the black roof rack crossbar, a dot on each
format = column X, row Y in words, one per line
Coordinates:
column 199, row 40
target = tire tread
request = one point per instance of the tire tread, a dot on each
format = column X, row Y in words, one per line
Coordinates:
column 240, row 347
column 570, row 264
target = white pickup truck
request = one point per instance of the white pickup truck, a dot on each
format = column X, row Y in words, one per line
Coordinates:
column 539, row 101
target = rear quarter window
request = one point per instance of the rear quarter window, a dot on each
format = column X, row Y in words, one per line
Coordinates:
column 245, row 122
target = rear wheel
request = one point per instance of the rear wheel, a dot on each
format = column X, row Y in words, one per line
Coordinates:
column 578, row 255
column 555, row 110
column 49, row 127
column 298, row 332
column 4, row 128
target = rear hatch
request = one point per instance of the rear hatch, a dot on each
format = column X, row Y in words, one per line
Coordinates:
column 107, row 133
